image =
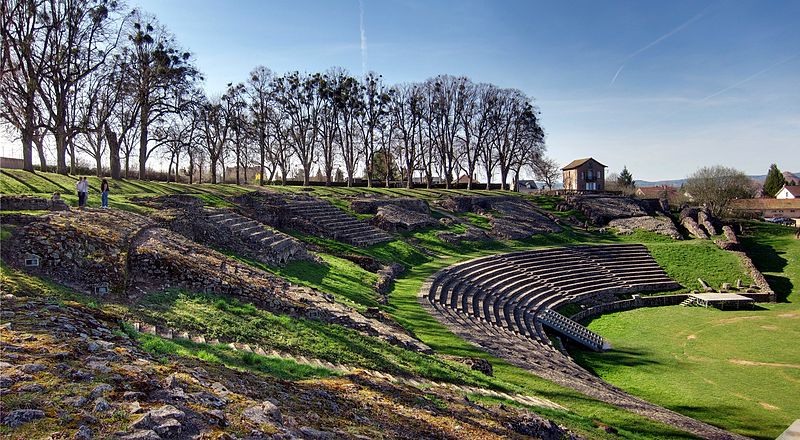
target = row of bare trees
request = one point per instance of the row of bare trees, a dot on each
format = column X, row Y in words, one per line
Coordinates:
column 89, row 77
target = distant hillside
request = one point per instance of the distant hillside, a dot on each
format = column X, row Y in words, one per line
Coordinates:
column 678, row 182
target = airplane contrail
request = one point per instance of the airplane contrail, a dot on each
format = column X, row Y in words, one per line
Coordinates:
column 656, row 41
column 363, row 37
column 751, row 77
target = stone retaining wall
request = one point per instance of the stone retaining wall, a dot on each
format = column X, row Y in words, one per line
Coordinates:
column 32, row 203
column 628, row 304
column 371, row 205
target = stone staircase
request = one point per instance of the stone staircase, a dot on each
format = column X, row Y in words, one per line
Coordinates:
column 334, row 223
column 420, row 383
column 262, row 242
column 573, row 330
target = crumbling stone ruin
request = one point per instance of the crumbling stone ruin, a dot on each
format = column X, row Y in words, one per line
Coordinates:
column 119, row 253
column 86, row 250
column 371, row 205
column 31, row 203
column 310, row 215
column 226, row 229
column 517, row 219
column 700, row 222
column 660, row 225
column 510, row 217
column 394, row 218
column 601, row 209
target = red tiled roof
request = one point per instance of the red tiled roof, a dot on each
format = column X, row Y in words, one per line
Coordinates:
column 759, row 204
column 654, row 192
column 793, row 190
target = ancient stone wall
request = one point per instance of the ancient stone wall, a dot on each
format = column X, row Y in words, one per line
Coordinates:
column 83, row 249
column 628, row 304
column 32, row 203
column 660, row 225
column 395, row 218
column 371, row 205
column 601, row 209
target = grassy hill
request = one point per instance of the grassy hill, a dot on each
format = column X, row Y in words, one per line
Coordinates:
column 647, row 341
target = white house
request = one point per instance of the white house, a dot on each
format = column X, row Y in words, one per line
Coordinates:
column 789, row 192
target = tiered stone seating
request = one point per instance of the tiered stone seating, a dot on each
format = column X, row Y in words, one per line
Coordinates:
column 337, row 224
column 517, row 291
column 260, row 239
column 501, row 303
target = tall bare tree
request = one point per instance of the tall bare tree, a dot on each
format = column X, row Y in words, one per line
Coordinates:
column 161, row 73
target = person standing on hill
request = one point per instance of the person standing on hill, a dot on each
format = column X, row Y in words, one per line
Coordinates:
column 104, row 194
column 79, row 189
column 85, row 190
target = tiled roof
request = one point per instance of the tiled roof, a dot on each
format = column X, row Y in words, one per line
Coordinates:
column 578, row 162
column 793, row 190
column 765, row 203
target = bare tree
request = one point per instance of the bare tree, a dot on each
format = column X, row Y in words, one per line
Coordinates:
column 349, row 104
column 375, row 100
column 23, row 65
column 80, row 36
column 259, row 93
column 545, row 170
column 215, row 128
column 715, row 187
column 160, row 72
column 407, row 114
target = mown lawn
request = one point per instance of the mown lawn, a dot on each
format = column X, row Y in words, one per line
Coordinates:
column 735, row 369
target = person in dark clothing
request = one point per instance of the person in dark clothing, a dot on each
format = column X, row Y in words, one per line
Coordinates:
column 104, row 194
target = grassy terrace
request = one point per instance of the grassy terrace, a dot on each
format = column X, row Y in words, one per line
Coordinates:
column 423, row 253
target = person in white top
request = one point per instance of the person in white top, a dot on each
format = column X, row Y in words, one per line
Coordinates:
column 83, row 191
column 79, row 189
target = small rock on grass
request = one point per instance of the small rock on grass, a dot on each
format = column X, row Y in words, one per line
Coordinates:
column 21, row 416
column 83, row 433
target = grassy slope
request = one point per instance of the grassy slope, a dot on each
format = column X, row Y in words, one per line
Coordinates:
column 690, row 359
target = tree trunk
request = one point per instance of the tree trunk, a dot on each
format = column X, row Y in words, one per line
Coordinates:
column 40, row 149
column 143, row 133
column 27, row 150
column 113, row 152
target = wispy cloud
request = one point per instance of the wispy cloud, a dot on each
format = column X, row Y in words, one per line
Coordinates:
column 654, row 42
column 363, row 30
column 751, row 77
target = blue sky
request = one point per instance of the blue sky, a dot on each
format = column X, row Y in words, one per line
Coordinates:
column 662, row 87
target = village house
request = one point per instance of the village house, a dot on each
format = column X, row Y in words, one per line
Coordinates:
column 789, row 192
column 527, row 186
column 661, row 192
column 770, row 208
column 584, row 175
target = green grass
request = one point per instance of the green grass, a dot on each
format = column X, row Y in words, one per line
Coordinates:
column 228, row 319
column 122, row 192
column 344, row 279
column 221, row 354
column 690, row 359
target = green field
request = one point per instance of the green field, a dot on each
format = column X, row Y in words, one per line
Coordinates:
column 735, row 369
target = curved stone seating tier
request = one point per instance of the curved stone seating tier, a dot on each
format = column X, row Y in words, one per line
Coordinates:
column 513, row 291
column 502, row 303
column 334, row 223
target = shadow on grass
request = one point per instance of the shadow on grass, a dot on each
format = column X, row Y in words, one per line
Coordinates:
column 767, row 259
column 614, row 357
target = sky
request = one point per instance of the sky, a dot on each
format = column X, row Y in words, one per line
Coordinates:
column 662, row 87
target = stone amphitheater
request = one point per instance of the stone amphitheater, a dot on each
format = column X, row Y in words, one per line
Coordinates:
column 503, row 303
column 507, row 304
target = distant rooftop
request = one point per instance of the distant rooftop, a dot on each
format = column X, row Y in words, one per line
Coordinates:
column 578, row 162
